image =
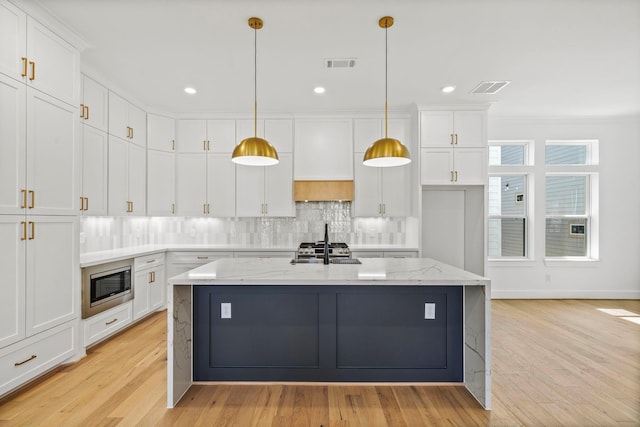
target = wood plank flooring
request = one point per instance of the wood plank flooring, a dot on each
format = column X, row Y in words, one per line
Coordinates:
column 555, row 363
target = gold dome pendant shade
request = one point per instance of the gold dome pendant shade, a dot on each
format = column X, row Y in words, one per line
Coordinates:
column 386, row 152
column 254, row 151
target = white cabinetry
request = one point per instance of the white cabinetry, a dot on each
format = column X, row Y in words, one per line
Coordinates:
column 149, row 287
column 161, row 166
column 205, row 174
column 94, row 109
column 265, row 191
column 95, row 147
column 127, row 177
column 12, row 145
column 380, row 191
column 181, row 262
column 107, row 323
column 127, row 121
column 323, row 149
column 453, row 147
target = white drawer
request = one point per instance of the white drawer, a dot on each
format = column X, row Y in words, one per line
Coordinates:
column 265, row 254
column 29, row 358
column 148, row 261
column 106, row 323
column 198, row 257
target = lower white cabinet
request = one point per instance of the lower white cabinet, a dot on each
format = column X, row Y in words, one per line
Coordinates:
column 33, row 356
column 181, row 262
column 149, row 286
column 106, row 323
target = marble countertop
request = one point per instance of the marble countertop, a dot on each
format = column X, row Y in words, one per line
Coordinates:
column 95, row 258
column 372, row 271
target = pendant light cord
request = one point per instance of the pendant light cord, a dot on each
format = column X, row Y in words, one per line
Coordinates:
column 386, row 82
column 255, row 82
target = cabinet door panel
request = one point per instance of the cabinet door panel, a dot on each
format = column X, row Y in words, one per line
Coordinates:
column 365, row 133
column 221, row 185
column 469, row 127
column 436, row 166
column 141, row 294
column 436, row 128
column 221, row 135
column 118, row 116
column 157, row 289
column 12, row 144
column 96, row 98
column 56, row 66
column 367, row 189
column 191, row 136
column 324, row 149
column 52, row 273
column 280, row 134
column 137, row 178
column 161, row 133
column 12, row 265
column 279, row 187
column 250, row 190
column 138, row 124
column 470, row 165
column 161, row 183
column 13, row 36
column 118, row 191
column 52, row 155
column 191, row 184
column 95, row 145
column 245, row 129
column 396, row 190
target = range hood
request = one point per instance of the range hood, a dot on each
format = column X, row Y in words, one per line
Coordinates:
column 323, row 191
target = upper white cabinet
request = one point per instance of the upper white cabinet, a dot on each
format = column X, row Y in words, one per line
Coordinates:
column 33, row 54
column 454, row 147
column 452, row 128
column 381, row 191
column 323, row 149
column 278, row 132
column 94, row 108
column 265, row 191
column 95, row 148
column 161, row 133
column 127, row 178
column 197, row 136
column 127, row 121
column 12, row 145
column 161, row 166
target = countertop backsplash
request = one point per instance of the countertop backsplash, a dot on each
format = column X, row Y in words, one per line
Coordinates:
column 105, row 233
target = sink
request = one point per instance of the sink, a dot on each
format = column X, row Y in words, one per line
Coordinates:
column 331, row 261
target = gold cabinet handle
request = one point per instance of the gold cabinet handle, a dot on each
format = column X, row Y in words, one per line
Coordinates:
column 151, row 277
column 384, row 209
column 202, row 257
column 451, row 179
column 33, row 70
column 24, row 230
column 86, row 206
column 451, row 139
column 24, row 67
column 456, row 175
column 204, row 145
column 32, row 226
column 456, row 138
column 33, row 356
column 204, row 208
column 33, row 199
column 208, row 145
column 82, row 111
column 173, row 208
column 112, row 321
column 131, row 133
column 81, row 203
column 24, row 199
column 173, row 145
column 208, row 208
column 86, row 113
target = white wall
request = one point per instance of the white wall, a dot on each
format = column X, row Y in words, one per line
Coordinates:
column 617, row 272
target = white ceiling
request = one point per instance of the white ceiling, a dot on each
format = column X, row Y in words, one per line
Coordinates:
column 563, row 57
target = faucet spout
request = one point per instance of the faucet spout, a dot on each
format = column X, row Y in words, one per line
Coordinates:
column 326, row 244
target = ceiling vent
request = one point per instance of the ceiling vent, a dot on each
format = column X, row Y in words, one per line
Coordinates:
column 340, row 63
column 490, row 88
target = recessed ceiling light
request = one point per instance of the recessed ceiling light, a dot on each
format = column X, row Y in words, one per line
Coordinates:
column 190, row 90
column 448, row 89
column 319, row 90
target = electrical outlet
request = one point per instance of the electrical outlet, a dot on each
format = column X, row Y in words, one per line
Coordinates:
column 225, row 310
column 429, row 310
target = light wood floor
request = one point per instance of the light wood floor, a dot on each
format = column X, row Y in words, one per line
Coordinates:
column 555, row 363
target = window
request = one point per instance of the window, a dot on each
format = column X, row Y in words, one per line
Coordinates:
column 507, row 228
column 510, row 175
column 570, row 192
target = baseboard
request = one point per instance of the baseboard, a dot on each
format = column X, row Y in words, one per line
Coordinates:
column 564, row 294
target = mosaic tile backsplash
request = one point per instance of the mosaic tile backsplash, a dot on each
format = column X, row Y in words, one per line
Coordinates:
column 104, row 233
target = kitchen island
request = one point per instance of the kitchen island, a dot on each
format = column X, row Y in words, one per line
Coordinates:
column 385, row 320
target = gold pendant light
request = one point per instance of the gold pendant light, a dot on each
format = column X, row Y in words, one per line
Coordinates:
column 254, row 151
column 387, row 151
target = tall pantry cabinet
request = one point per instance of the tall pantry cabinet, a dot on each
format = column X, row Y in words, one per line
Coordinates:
column 39, row 198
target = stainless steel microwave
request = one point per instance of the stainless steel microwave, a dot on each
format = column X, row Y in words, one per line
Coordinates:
column 105, row 286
